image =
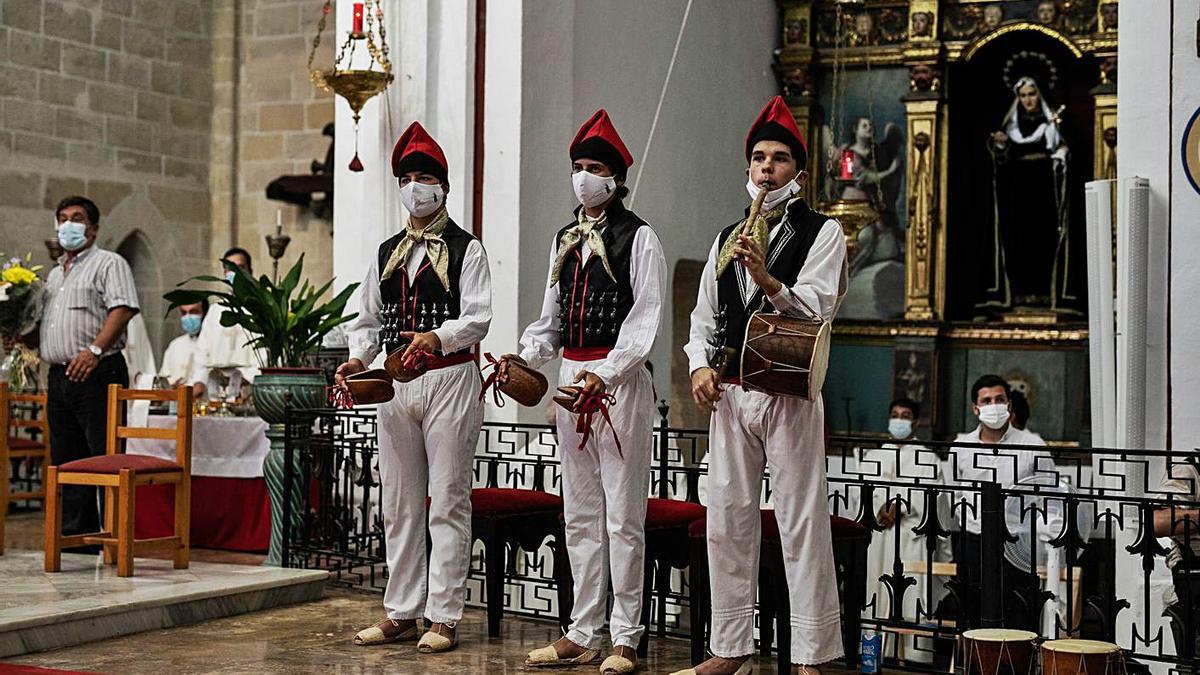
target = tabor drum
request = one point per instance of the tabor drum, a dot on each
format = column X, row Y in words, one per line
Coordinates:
column 997, row 651
column 785, row 355
column 1082, row 657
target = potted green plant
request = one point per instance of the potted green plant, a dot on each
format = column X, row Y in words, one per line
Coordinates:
column 286, row 325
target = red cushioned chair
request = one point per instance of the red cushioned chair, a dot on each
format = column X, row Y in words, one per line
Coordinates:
column 667, row 523
column 850, row 542
column 119, row 474
column 508, row 519
column 14, row 446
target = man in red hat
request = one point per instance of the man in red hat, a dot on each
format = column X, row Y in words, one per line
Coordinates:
column 428, row 292
column 794, row 259
column 602, row 308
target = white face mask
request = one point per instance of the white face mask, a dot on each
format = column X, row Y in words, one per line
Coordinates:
column 994, row 416
column 592, row 190
column 420, row 199
column 900, row 429
column 774, row 197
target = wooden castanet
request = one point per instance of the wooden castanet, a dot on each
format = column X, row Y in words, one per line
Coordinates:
column 785, row 355
column 997, row 651
column 1082, row 657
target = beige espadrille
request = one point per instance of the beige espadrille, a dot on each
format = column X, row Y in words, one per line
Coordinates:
column 547, row 657
column 441, row 637
column 387, row 631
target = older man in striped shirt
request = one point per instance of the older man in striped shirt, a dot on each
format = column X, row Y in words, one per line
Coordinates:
column 90, row 297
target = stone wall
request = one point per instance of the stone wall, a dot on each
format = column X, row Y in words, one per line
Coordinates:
column 276, row 129
column 111, row 99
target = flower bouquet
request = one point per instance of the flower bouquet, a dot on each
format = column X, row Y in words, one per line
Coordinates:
column 20, row 308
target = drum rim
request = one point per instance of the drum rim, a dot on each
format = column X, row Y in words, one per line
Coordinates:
column 999, row 635
column 1096, row 646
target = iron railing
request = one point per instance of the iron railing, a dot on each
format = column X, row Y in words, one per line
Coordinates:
column 1048, row 548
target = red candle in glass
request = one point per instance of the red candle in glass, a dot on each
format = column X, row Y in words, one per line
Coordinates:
column 847, row 172
column 358, row 17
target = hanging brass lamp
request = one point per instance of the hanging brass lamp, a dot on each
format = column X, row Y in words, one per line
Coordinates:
column 356, row 85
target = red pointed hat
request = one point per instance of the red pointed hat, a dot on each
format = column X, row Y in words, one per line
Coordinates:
column 775, row 123
column 417, row 151
column 598, row 139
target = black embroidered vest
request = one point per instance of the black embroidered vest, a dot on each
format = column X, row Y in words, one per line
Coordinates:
column 592, row 305
column 785, row 259
column 420, row 304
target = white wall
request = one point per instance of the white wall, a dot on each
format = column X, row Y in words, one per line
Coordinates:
column 577, row 57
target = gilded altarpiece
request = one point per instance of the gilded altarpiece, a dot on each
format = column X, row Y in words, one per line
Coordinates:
column 946, row 136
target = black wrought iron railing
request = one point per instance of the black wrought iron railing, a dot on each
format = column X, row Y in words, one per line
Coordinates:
column 962, row 535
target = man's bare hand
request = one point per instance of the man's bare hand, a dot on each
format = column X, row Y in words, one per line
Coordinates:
column 198, row 391
column 706, row 389
column 427, row 342
column 592, row 386
column 346, row 370
column 82, row 365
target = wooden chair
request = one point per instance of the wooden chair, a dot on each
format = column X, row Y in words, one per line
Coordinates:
column 120, row 474
column 16, row 445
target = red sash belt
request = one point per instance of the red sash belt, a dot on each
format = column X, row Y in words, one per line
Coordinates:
column 585, row 354
column 434, row 362
column 732, row 381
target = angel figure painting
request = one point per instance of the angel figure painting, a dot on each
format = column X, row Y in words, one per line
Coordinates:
column 866, row 169
column 1030, row 219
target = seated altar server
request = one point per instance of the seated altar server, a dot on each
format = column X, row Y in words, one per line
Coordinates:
column 432, row 282
column 223, row 351
column 180, row 358
column 794, row 259
column 602, row 307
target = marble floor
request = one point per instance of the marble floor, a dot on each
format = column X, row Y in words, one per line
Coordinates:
column 315, row 638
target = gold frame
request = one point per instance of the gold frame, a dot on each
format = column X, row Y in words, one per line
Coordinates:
column 927, row 115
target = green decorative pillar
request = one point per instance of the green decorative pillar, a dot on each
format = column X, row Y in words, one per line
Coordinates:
column 273, row 389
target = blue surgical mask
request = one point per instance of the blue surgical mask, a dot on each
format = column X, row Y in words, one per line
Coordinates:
column 900, row 429
column 72, row 236
column 191, row 323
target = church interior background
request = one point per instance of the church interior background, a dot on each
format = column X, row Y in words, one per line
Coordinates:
column 195, row 127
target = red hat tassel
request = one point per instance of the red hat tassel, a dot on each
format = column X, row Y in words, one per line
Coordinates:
column 356, row 164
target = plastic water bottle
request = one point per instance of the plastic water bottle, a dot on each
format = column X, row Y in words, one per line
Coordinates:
column 872, row 651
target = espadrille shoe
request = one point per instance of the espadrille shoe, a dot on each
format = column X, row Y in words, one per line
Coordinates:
column 548, row 657
column 441, row 637
column 623, row 660
column 387, row 631
column 746, row 668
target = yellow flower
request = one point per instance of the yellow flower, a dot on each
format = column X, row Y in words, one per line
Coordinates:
column 19, row 276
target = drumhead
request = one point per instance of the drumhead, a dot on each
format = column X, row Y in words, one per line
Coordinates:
column 820, row 362
column 1080, row 646
column 1002, row 635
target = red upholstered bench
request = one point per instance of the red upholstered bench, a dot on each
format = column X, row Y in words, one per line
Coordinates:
column 16, row 443
column 850, row 540
column 508, row 519
column 667, row 523
column 113, row 464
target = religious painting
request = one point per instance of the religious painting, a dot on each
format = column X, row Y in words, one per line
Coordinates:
column 861, row 27
column 913, row 377
column 1022, row 133
column 862, row 151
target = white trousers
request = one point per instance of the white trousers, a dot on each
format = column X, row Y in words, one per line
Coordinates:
column 604, row 504
column 748, row 429
column 427, row 437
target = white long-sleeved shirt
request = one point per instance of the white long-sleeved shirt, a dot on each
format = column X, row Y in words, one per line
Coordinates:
column 541, row 340
column 1006, row 467
column 179, row 360
column 820, row 285
column 474, row 305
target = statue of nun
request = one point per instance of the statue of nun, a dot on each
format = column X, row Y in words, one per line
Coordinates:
column 1029, row 161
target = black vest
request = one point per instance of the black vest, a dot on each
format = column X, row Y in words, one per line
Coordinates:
column 421, row 304
column 785, row 259
column 592, row 305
